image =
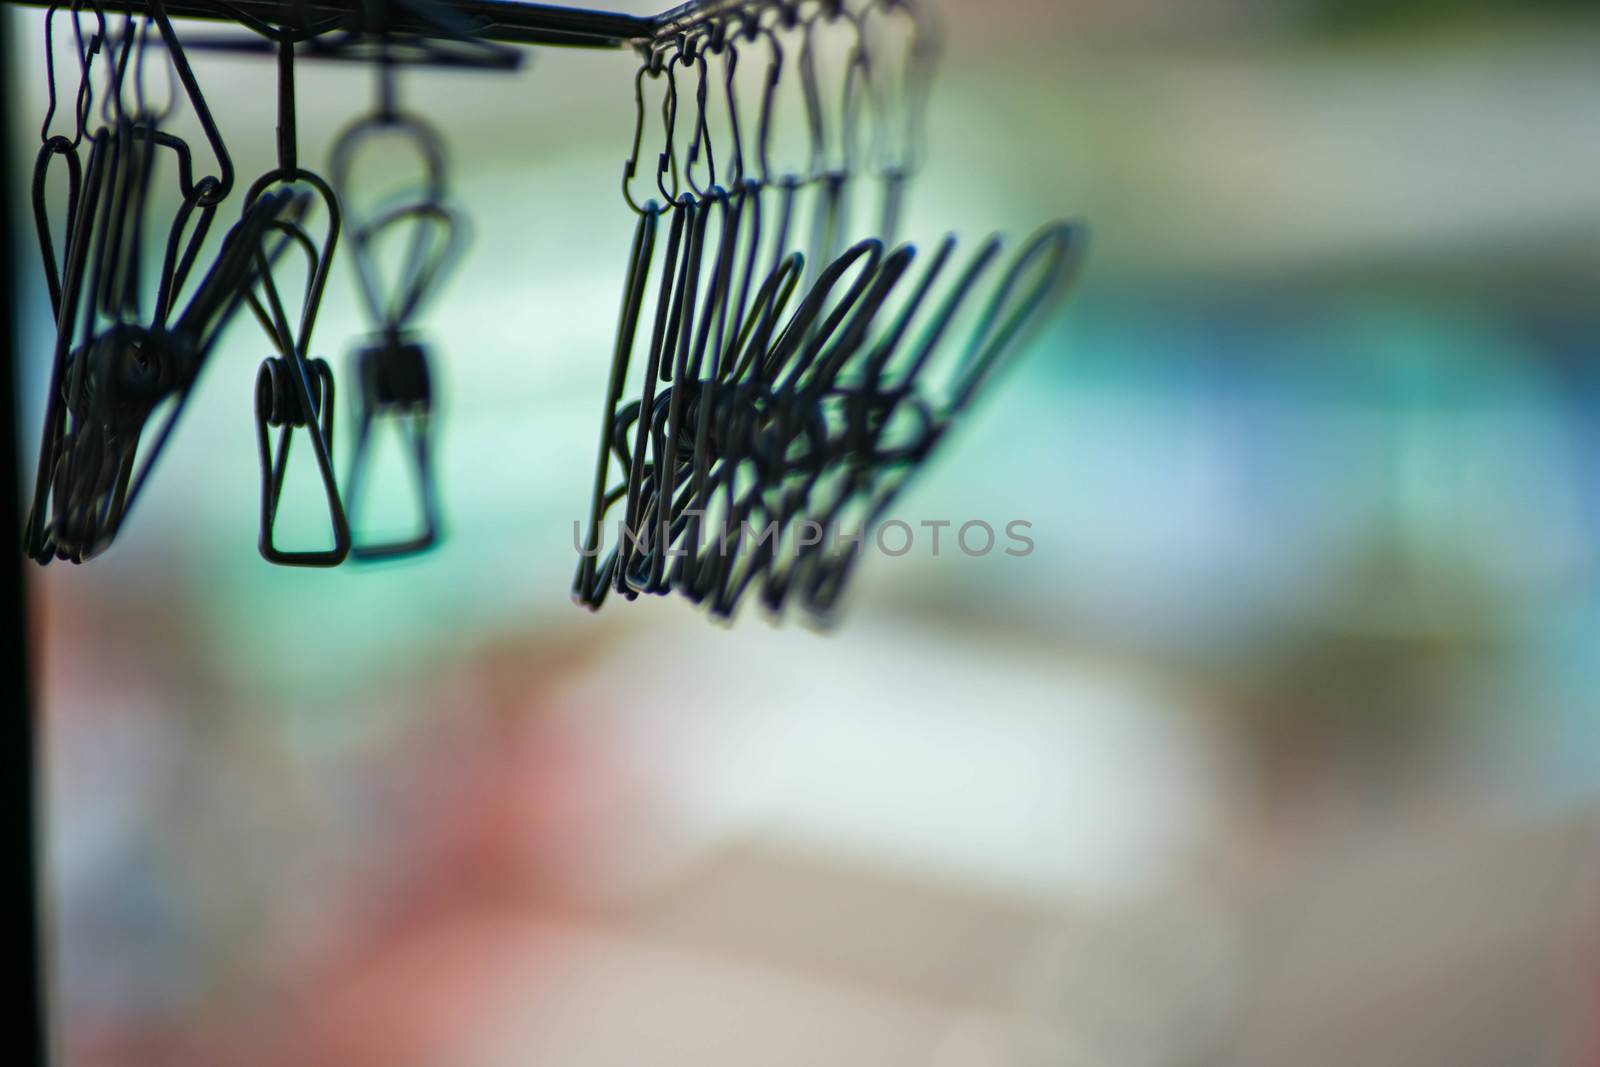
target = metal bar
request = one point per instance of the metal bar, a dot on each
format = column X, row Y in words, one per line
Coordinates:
column 694, row 12
column 506, row 21
column 19, row 750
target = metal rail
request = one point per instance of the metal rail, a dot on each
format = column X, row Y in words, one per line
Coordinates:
column 20, row 727
column 506, row 21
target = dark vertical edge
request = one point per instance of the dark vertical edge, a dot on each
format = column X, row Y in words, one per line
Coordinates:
column 19, row 808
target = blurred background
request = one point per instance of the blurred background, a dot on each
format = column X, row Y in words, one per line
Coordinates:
column 1281, row 747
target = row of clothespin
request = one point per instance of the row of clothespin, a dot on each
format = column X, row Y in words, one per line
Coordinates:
column 129, row 349
column 787, row 385
column 780, row 372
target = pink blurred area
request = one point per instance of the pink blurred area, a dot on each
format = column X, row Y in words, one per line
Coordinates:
column 596, row 850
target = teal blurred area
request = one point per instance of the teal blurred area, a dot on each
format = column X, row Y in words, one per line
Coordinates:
column 1280, row 747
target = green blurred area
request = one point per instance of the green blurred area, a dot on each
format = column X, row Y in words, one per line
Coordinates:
column 1381, row 15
